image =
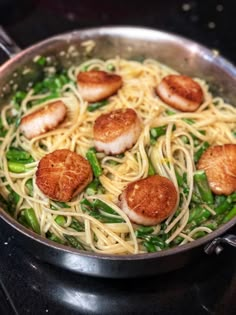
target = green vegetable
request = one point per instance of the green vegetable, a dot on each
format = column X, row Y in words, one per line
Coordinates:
column 93, row 210
column 16, row 167
column 143, row 231
column 94, row 187
column 189, row 121
column 150, row 247
column 201, row 182
column 100, row 205
column 76, row 225
column 18, row 98
column 54, row 238
column 151, row 169
column 153, row 243
column 74, row 242
column 111, row 67
column 29, row 185
column 60, row 220
column 179, row 178
column 232, row 198
column 95, row 106
column 200, row 151
column 41, row 61
column 61, row 204
column 169, row 112
column 230, row 215
column 223, row 206
column 14, row 154
column 32, row 220
column 22, row 220
column 156, row 132
column 92, row 158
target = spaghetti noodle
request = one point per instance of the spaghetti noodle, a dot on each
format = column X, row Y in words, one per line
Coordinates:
column 171, row 154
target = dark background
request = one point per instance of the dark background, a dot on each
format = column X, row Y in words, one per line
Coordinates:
column 28, row 286
column 210, row 22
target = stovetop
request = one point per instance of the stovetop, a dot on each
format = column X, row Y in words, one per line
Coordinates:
column 30, row 286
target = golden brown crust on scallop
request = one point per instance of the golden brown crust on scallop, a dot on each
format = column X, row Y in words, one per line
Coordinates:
column 154, row 197
column 95, row 86
column 63, row 174
column 38, row 116
column 108, row 127
column 180, row 92
column 219, row 163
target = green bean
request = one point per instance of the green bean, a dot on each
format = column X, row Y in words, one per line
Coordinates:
column 32, row 220
column 92, row 158
column 156, row 240
column 95, row 187
column 177, row 240
column 54, row 238
column 74, row 242
column 92, row 188
column 16, row 167
column 193, row 213
column 189, row 121
column 100, row 205
column 111, row 67
column 151, row 248
column 232, row 198
column 200, row 151
column 95, row 106
column 230, row 215
column 185, row 139
column 61, row 204
column 15, row 155
column 60, row 220
column 179, row 178
column 22, row 220
column 29, row 185
column 169, row 112
column 198, row 234
column 151, row 169
column 203, row 215
column 224, row 206
column 76, row 225
column 143, row 231
column 41, row 60
column 18, row 98
column 13, row 197
column 89, row 207
column 211, row 224
column 201, row 182
column 157, row 132
column 153, row 242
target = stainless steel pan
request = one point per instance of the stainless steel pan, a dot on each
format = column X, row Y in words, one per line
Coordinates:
column 183, row 55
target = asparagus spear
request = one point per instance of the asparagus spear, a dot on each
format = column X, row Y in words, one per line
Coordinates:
column 92, row 158
column 201, row 182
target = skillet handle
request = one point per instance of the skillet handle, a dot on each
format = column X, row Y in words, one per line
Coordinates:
column 216, row 246
column 7, row 44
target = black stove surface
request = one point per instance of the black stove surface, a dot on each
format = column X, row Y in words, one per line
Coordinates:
column 30, row 286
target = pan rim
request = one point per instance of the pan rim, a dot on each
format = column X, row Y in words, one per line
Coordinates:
column 139, row 33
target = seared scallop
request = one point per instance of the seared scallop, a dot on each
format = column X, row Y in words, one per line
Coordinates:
column 63, row 174
column 95, row 86
column 43, row 120
column 149, row 201
column 117, row 131
column 219, row 163
column 180, row 92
